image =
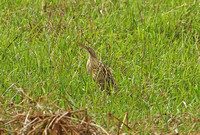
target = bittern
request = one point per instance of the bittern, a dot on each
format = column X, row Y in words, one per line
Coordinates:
column 98, row 70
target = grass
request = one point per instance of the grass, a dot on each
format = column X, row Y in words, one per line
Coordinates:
column 152, row 48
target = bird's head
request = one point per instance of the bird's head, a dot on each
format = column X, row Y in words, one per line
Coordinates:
column 88, row 49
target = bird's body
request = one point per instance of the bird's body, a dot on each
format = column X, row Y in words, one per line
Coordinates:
column 98, row 70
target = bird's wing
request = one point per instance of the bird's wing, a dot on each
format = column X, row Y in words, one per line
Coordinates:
column 106, row 74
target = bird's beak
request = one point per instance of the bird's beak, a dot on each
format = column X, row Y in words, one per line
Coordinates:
column 83, row 46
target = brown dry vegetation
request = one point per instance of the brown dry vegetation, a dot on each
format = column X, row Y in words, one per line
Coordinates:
column 32, row 118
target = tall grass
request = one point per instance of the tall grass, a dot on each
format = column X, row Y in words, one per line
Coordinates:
column 152, row 48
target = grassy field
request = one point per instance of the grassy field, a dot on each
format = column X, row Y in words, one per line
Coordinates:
column 152, row 48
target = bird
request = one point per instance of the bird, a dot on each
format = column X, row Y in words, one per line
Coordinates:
column 98, row 70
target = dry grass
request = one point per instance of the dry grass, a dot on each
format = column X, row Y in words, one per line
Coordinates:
column 30, row 117
column 70, row 122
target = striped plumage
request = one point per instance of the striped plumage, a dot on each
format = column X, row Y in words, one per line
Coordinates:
column 98, row 70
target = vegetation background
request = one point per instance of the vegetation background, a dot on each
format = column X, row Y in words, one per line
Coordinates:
column 151, row 46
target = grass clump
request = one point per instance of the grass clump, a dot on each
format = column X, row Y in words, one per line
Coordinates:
column 152, row 48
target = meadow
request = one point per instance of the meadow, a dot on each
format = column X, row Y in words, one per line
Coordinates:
column 151, row 47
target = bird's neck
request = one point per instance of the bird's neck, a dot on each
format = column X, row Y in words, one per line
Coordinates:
column 92, row 64
column 93, row 60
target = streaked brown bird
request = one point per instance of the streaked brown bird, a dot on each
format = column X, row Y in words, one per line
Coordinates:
column 98, row 70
